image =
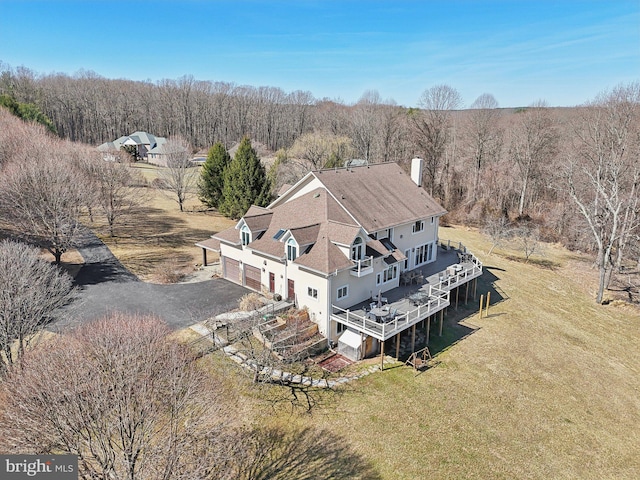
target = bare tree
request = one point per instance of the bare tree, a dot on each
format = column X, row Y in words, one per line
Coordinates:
column 31, row 290
column 529, row 241
column 603, row 174
column 365, row 124
column 534, row 142
column 44, row 196
column 128, row 401
column 113, row 190
column 431, row 127
column 320, row 148
column 483, row 137
column 180, row 177
column 498, row 230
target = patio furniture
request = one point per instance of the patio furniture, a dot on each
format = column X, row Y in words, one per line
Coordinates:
column 379, row 313
column 418, row 298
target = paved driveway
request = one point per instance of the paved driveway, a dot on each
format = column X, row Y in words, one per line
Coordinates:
column 104, row 285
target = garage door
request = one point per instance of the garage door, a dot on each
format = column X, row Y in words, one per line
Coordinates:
column 252, row 277
column 231, row 270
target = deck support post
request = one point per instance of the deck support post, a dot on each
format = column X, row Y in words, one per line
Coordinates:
column 362, row 352
column 413, row 338
column 428, row 327
column 457, row 292
column 397, row 346
column 381, row 354
column 441, row 322
column 204, row 257
column 475, row 286
column 466, row 293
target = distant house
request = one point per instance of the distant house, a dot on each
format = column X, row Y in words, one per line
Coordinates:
column 344, row 242
column 148, row 147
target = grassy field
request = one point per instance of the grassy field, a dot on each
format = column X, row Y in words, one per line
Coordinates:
column 546, row 386
column 159, row 233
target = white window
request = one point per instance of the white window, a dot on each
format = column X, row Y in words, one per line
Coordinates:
column 292, row 250
column 343, row 292
column 341, row 327
column 387, row 275
column 357, row 249
column 418, row 226
column 245, row 234
column 433, row 219
column 407, row 253
column 312, row 292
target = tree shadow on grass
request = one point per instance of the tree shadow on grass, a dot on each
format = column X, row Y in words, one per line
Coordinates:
column 297, row 453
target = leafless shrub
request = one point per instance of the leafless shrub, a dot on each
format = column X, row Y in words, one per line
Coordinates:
column 122, row 397
column 250, row 302
column 31, row 290
column 169, row 271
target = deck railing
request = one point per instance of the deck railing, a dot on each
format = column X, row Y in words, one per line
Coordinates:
column 438, row 300
column 362, row 267
column 439, row 297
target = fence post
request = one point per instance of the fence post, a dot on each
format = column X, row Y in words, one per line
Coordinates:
column 481, row 301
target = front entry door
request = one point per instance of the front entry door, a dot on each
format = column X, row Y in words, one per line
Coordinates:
column 291, row 290
column 272, row 282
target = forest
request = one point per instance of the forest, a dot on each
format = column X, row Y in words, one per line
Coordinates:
column 568, row 175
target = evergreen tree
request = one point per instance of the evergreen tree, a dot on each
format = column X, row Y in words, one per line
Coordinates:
column 245, row 183
column 27, row 112
column 212, row 176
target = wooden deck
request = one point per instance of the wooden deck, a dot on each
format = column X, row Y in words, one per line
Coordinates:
column 439, row 281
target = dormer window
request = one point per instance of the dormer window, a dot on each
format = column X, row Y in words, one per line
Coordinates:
column 292, row 250
column 357, row 249
column 245, row 235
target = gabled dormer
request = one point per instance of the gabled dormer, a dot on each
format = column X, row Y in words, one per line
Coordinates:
column 253, row 224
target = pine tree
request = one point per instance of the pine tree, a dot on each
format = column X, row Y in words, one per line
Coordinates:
column 212, row 176
column 245, row 182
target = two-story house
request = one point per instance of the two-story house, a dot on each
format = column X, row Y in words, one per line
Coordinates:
column 335, row 239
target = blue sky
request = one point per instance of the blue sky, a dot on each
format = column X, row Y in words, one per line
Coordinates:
column 564, row 52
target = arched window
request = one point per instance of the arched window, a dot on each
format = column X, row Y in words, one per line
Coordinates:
column 292, row 249
column 245, row 235
column 357, row 249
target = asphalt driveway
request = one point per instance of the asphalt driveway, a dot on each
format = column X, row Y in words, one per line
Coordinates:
column 104, row 286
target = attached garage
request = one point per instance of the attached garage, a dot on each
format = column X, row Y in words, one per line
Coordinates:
column 252, row 278
column 231, row 269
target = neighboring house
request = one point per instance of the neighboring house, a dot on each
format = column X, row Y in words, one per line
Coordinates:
column 335, row 239
column 148, row 147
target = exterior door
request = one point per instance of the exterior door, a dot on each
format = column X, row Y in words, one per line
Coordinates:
column 231, row 270
column 252, row 277
column 291, row 292
column 272, row 282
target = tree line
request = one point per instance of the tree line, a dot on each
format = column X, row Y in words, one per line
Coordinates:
column 550, row 167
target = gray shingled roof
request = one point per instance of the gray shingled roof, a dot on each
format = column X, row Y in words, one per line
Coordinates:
column 379, row 196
